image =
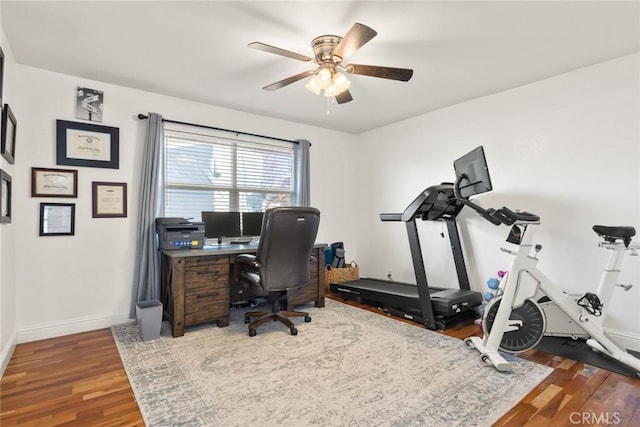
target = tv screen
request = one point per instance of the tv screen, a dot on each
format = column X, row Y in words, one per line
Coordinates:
column 252, row 223
column 221, row 224
column 472, row 173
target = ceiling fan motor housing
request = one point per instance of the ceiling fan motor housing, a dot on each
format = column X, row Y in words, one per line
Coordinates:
column 323, row 47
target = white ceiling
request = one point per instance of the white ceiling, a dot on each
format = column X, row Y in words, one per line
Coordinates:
column 198, row 50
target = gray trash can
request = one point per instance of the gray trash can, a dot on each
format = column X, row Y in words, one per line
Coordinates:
column 149, row 318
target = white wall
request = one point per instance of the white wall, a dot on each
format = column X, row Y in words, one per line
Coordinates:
column 566, row 148
column 69, row 284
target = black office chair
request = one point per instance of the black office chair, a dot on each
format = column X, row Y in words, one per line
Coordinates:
column 281, row 263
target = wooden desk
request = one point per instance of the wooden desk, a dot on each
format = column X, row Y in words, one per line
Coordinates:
column 197, row 283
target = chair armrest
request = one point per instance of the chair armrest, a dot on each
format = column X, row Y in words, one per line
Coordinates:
column 245, row 261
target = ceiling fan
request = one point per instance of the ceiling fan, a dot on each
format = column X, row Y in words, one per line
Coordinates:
column 329, row 53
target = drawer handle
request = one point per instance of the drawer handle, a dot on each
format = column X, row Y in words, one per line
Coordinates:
column 209, row 295
column 209, row 272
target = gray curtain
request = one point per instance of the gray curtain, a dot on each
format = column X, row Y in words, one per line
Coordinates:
column 146, row 279
column 301, row 173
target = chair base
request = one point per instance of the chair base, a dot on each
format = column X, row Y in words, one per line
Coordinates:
column 267, row 316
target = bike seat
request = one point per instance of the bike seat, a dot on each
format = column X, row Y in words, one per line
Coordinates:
column 611, row 234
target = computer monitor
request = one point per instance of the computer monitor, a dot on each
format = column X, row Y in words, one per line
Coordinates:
column 221, row 224
column 472, row 173
column 252, row 223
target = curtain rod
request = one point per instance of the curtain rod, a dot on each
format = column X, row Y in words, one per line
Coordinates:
column 237, row 132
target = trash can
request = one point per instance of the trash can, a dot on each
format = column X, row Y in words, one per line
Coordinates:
column 149, row 318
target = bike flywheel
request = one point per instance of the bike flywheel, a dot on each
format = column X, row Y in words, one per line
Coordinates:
column 528, row 335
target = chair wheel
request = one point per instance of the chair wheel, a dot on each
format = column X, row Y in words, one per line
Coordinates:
column 252, row 332
column 294, row 331
column 247, row 320
column 307, row 319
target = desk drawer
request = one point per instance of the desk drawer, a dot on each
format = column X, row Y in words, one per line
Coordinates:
column 204, row 272
column 206, row 304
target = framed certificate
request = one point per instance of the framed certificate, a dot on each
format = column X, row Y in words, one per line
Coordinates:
column 86, row 144
column 8, row 137
column 109, row 199
column 57, row 219
column 5, row 197
column 54, row 182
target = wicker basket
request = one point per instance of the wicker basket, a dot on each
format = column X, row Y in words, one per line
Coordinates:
column 341, row 275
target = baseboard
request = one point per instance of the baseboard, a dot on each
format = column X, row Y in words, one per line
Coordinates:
column 7, row 352
column 73, row 326
column 624, row 339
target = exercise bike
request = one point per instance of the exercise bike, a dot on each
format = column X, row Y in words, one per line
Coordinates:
column 529, row 305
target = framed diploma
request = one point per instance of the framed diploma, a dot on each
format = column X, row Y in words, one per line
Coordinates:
column 54, row 182
column 5, row 197
column 87, row 144
column 109, row 199
column 8, row 137
column 57, row 219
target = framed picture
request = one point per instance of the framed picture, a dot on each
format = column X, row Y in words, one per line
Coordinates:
column 8, row 138
column 54, row 182
column 5, row 197
column 109, row 199
column 89, row 104
column 1, row 73
column 86, row 144
column 57, row 219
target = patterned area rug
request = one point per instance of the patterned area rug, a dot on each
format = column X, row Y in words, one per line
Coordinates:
column 348, row 367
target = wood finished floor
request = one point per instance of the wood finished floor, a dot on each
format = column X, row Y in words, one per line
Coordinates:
column 79, row 380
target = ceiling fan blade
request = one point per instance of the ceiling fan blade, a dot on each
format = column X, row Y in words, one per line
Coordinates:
column 402, row 74
column 272, row 49
column 288, row 80
column 357, row 36
column 344, row 97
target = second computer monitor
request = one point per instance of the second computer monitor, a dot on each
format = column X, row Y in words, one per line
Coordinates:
column 252, row 223
column 221, row 224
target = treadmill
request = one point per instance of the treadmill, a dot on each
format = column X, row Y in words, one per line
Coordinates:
column 436, row 308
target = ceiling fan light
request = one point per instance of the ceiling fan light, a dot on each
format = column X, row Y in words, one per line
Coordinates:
column 312, row 85
column 323, row 78
column 341, row 83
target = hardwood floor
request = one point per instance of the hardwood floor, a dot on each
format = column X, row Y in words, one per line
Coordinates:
column 79, row 380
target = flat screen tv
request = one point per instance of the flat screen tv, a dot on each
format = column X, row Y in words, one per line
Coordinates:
column 252, row 223
column 472, row 173
column 221, row 224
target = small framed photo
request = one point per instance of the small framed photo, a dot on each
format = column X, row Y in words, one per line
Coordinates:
column 89, row 104
column 57, row 219
column 86, row 144
column 109, row 199
column 8, row 138
column 54, row 182
column 5, row 197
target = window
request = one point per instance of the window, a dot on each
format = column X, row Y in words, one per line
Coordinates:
column 205, row 172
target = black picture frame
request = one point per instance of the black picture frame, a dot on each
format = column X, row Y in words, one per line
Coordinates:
column 87, row 144
column 1, row 73
column 57, row 219
column 5, row 197
column 8, row 137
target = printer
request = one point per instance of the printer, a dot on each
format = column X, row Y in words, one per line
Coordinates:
column 179, row 233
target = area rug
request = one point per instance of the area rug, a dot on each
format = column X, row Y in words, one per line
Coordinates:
column 348, row 367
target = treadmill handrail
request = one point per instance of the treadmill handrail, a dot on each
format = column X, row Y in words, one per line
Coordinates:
column 390, row 217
